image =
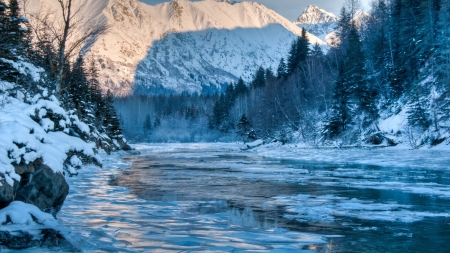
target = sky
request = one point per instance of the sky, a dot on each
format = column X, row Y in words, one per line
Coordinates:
column 292, row 9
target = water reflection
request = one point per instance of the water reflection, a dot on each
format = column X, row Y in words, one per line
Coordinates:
column 217, row 199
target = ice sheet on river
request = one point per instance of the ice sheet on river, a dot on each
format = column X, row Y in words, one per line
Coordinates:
column 108, row 218
column 111, row 218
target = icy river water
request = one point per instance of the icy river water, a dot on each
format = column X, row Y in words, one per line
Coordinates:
column 218, row 198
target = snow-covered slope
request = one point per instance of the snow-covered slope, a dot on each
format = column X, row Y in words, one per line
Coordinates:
column 182, row 45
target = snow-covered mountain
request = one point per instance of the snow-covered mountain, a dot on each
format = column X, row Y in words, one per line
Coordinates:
column 317, row 21
column 314, row 15
column 182, row 45
column 323, row 24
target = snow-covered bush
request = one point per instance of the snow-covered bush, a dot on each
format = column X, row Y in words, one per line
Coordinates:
column 36, row 126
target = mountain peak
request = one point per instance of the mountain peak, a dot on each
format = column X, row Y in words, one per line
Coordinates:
column 314, row 15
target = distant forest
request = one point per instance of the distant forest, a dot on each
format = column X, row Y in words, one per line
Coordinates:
column 398, row 61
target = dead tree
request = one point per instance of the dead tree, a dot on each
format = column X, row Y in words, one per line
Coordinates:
column 62, row 35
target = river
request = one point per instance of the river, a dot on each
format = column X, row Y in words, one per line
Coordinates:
column 218, row 198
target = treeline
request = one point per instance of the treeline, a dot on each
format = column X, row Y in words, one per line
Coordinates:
column 398, row 60
column 74, row 83
column 396, row 63
column 172, row 118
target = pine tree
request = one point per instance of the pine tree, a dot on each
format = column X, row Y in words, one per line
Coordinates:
column 442, row 47
column 282, row 69
column 260, row 80
column 15, row 33
column 241, row 88
column 111, row 121
column 378, row 42
column 269, row 75
column 3, row 23
column 406, row 63
column 302, row 47
column 317, row 51
column 157, row 122
column 292, row 58
column 356, row 77
column 12, row 41
column 417, row 113
column 442, row 64
column 219, row 113
column 97, row 101
column 344, row 27
column 148, row 126
column 342, row 108
column 298, row 52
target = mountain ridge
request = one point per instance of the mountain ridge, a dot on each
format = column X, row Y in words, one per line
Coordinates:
column 148, row 45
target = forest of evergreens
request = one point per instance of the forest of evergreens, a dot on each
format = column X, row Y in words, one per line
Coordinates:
column 398, row 61
column 71, row 79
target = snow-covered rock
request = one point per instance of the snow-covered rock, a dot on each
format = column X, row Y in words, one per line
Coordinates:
column 19, row 213
column 41, row 186
column 314, row 15
column 25, row 226
column 182, row 45
column 253, row 144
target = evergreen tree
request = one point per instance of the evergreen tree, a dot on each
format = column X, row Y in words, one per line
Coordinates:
column 241, row 88
column 442, row 64
column 219, row 113
column 442, row 46
column 282, row 69
column 260, row 80
column 302, row 47
column 77, row 88
column 97, row 100
column 111, row 121
column 12, row 41
column 405, row 61
column 298, row 52
column 342, row 108
column 317, row 51
column 15, row 33
column 292, row 58
column 157, row 122
column 148, row 126
column 417, row 113
column 269, row 75
column 3, row 22
column 343, row 29
column 356, row 77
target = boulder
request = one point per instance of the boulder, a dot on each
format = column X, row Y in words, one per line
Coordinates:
column 7, row 193
column 39, row 185
column 24, row 226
